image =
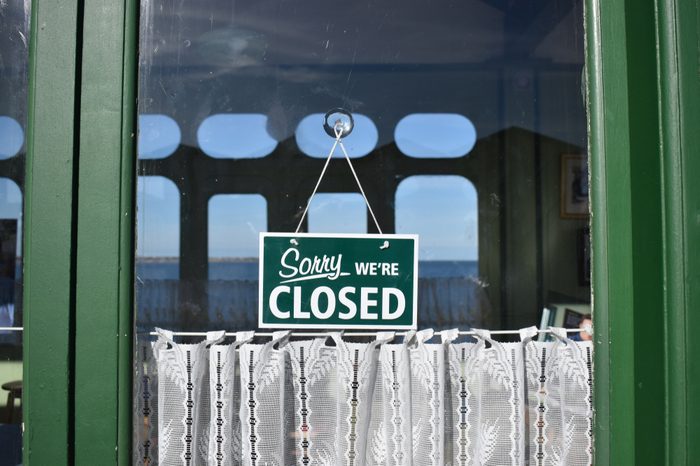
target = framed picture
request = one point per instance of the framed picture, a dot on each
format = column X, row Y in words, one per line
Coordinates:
column 574, row 186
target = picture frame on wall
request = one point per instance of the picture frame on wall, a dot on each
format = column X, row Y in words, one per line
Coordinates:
column 574, row 186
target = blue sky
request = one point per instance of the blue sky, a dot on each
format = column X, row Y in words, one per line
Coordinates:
column 441, row 209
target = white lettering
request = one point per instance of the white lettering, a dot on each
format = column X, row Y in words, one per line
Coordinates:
column 345, row 301
column 330, row 308
column 366, row 303
column 283, row 262
column 392, row 303
column 305, row 266
column 335, row 266
column 273, row 302
column 387, row 293
column 298, row 313
column 376, row 268
column 310, row 267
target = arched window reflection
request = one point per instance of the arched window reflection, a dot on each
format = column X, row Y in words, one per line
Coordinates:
column 159, row 136
column 435, row 135
column 158, row 228
column 235, row 221
column 235, row 136
column 11, row 137
column 443, row 210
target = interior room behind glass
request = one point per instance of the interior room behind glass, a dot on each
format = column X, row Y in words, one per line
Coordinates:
column 471, row 131
column 14, row 58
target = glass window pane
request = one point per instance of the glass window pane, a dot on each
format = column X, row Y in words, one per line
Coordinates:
column 470, row 131
column 14, row 55
column 485, row 93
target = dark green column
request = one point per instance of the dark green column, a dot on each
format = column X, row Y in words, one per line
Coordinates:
column 49, row 261
column 105, row 228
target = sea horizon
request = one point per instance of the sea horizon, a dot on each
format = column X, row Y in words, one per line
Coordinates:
column 246, row 268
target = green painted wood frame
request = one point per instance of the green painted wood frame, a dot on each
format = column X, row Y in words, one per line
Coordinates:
column 626, row 231
column 678, row 32
column 644, row 111
column 48, row 233
column 80, row 223
column 104, row 252
column 79, row 232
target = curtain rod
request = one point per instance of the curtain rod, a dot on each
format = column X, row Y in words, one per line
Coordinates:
column 321, row 334
column 356, row 334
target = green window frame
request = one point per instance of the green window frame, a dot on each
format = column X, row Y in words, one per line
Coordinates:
column 643, row 98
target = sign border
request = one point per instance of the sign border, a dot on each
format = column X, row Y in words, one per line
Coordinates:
column 389, row 236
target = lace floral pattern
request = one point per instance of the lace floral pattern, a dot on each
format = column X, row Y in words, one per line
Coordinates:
column 328, row 401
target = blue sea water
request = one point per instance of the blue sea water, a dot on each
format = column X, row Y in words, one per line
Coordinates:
column 248, row 270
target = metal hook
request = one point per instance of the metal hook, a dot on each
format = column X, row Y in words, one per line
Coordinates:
column 343, row 123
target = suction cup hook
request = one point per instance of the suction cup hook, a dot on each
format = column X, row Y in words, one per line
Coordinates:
column 340, row 119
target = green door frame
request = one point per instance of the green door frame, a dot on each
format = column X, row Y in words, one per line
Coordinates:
column 80, row 223
column 626, row 227
column 79, row 233
column 678, row 35
column 644, row 111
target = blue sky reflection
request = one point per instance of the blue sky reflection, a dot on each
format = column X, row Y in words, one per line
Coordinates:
column 11, row 137
column 443, row 210
column 435, row 135
column 314, row 142
column 235, row 136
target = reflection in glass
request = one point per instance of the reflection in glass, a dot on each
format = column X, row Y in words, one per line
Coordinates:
column 435, row 135
column 449, row 99
column 11, row 137
column 338, row 213
column 10, row 251
column 444, row 211
column 235, row 222
column 158, row 223
column 11, row 209
column 235, row 136
column 14, row 57
column 159, row 136
column 313, row 140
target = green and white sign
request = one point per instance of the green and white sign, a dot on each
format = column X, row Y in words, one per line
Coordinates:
column 338, row 281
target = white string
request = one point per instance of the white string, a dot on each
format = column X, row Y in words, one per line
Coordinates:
column 338, row 135
column 322, row 334
column 323, row 172
column 352, row 169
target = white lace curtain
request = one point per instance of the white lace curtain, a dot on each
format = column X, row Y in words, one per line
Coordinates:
column 330, row 401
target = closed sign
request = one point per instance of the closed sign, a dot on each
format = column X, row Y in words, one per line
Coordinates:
column 338, row 281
